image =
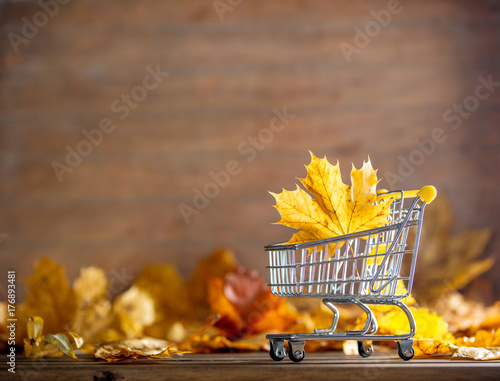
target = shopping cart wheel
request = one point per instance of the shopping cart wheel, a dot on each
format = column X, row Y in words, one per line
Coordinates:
column 296, row 351
column 277, row 350
column 405, row 349
column 365, row 349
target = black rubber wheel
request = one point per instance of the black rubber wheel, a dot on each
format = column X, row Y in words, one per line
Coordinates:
column 272, row 352
column 296, row 356
column 407, row 356
column 361, row 350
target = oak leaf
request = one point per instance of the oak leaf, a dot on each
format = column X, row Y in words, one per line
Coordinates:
column 336, row 209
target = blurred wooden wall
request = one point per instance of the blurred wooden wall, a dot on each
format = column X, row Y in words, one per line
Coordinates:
column 228, row 69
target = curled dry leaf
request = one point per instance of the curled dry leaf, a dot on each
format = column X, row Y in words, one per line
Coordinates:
column 475, row 353
column 51, row 345
column 247, row 309
column 337, row 208
column 146, row 348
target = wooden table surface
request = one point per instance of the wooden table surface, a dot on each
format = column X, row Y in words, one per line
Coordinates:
column 255, row 366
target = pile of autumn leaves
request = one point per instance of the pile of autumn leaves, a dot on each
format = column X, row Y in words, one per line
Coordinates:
column 221, row 304
column 224, row 306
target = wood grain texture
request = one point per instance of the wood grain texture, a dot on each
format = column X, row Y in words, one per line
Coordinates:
column 258, row 366
column 119, row 208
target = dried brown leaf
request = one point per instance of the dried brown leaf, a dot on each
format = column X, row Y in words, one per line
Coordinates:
column 473, row 353
column 146, row 348
column 51, row 345
column 447, row 261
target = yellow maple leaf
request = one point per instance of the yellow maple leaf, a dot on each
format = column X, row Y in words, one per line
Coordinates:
column 337, row 209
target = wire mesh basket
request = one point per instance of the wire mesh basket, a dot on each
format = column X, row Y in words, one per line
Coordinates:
column 361, row 268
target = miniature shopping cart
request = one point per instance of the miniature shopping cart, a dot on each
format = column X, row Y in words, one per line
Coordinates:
column 361, row 268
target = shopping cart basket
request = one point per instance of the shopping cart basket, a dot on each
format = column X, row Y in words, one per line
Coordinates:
column 361, row 268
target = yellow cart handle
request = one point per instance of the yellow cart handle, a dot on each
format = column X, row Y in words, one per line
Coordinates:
column 426, row 194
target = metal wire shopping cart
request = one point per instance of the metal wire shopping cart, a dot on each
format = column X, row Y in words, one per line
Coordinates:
column 361, row 268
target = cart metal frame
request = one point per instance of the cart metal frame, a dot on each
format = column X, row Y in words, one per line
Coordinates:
column 362, row 268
